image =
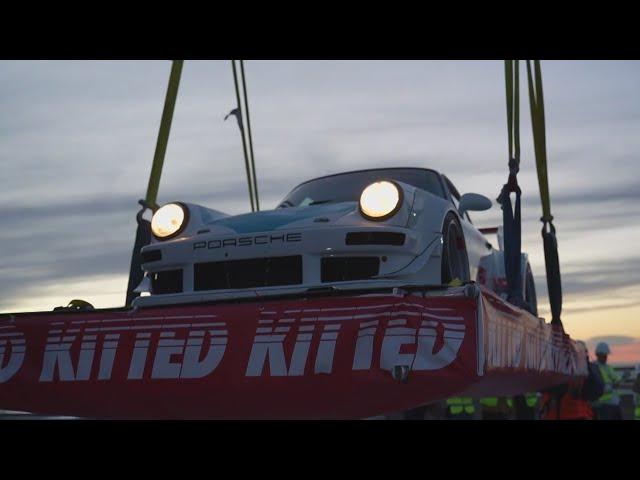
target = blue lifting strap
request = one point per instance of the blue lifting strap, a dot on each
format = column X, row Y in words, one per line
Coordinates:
column 511, row 218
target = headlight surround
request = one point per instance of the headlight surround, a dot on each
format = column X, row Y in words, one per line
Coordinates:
column 381, row 200
column 169, row 221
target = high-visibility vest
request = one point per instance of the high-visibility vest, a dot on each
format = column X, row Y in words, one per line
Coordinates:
column 609, row 377
column 637, row 413
column 457, row 405
column 492, row 402
column 531, row 399
column 489, row 402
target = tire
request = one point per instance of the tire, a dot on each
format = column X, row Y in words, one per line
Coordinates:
column 530, row 298
column 455, row 261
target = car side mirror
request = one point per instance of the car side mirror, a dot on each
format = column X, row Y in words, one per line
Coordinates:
column 473, row 202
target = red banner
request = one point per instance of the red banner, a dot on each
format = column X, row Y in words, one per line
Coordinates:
column 332, row 357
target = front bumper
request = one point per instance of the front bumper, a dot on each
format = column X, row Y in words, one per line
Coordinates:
column 312, row 245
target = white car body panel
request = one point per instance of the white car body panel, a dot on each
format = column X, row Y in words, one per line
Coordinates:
column 314, row 232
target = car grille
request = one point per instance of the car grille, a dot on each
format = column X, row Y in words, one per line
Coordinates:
column 342, row 269
column 169, row 281
column 250, row 273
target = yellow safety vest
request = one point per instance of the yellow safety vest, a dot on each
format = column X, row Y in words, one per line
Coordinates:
column 457, row 405
column 489, row 402
column 609, row 376
column 637, row 413
column 531, row 399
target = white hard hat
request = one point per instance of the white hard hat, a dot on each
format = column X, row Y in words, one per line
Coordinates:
column 603, row 349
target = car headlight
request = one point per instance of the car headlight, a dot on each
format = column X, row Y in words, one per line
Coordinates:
column 169, row 220
column 380, row 200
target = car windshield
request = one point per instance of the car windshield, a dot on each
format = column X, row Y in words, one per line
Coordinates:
column 347, row 187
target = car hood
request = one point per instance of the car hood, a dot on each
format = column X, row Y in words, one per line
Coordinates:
column 285, row 218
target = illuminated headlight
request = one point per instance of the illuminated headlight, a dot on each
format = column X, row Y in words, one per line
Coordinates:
column 380, row 200
column 169, row 220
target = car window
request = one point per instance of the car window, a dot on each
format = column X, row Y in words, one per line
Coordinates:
column 347, row 187
column 455, row 195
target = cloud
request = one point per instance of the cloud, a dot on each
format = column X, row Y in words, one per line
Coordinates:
column 77, row 138
column 612, row 340
column 625, row 350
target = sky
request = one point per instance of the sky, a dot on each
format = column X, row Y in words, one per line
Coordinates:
column 77, row 139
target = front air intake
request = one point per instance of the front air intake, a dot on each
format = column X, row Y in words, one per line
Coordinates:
column 343, row 269
column 169, row 281
column 250, row 273
column 375, row 238
column 151, row 255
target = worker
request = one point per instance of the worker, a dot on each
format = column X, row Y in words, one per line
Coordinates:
column 570, row 401
column 607, row 407
column 566, row 402
column 460, row 408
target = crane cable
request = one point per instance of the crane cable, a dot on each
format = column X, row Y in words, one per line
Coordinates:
column 253, row 159
column 143, row 232
column 550, row 242
column 240, row 114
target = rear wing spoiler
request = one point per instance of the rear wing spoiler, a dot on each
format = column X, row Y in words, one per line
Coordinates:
column 496, row 231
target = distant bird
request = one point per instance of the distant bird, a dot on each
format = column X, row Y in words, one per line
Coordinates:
column 236, row 112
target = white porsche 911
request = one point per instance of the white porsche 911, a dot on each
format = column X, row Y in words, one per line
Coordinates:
column 375, row 228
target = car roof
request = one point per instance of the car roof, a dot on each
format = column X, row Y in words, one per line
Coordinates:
column 366, row 170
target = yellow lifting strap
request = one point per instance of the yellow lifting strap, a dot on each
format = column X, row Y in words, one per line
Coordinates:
column 163, row 134
column 536, row 102
column 143, row 231
column 551, row 259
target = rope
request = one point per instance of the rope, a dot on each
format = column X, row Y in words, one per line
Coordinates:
column 551, row 259
column 253, row 160
column 163, row 134
column 238, row 113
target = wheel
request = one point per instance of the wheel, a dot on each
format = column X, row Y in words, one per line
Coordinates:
column 530, row 298
column 455, row 261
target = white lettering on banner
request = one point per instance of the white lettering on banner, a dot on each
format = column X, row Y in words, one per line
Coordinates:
column 174, row 358
column 172, row 348
column 139, row 356
column 364, row 345
column 268, row 347
column 12, row 345
column 165, row 364
column 425, row 358
column 394, row 339
column 57, row 356
column 542, row 353
column 180, row 358
column 192, row 366
column 109, row 348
